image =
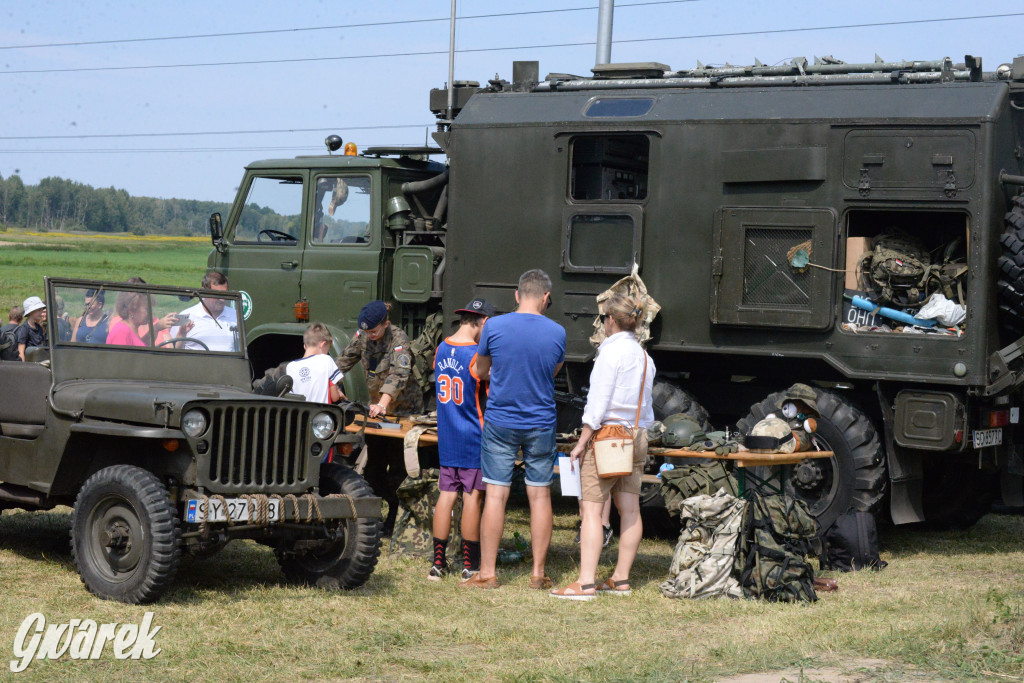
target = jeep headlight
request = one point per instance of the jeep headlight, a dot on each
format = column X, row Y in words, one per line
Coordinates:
column 194, row 422
column 323, row 426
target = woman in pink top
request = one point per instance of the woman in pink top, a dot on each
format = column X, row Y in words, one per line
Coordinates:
column 133, row 309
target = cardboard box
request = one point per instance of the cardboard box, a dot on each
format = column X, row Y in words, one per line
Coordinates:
column 855, row 248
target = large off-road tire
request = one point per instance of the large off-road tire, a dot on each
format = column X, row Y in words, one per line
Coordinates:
column 348, row 561
column 669, row 399
column 1010, row 285
column 957, row 494
column 125, row 535
column 854, row 478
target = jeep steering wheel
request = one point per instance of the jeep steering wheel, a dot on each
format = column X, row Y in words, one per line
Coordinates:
column 175, row 340
column 274, row 236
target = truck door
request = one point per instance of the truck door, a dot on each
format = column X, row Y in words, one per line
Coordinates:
column 342, row 259
column 264, row 250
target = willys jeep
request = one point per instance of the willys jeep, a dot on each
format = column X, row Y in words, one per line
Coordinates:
column 159, row 444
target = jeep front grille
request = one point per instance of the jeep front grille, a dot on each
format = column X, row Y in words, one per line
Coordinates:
column 253, row 447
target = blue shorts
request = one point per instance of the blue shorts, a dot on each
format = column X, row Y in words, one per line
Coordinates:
column 500, row 446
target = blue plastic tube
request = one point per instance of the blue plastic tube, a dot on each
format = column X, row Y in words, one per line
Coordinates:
column 891, row 313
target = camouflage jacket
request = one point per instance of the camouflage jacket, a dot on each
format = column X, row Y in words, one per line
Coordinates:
column 387, row 363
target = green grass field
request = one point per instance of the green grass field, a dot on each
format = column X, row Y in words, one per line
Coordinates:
column 948, row 607
column 26, row 258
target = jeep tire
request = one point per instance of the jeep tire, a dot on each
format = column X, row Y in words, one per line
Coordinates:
column 125, row 535
column 343, row 563
column 853, row 479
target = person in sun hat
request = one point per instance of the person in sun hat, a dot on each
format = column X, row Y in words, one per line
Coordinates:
column 32, row 331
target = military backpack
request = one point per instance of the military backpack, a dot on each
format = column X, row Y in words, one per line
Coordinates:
column 772, row 560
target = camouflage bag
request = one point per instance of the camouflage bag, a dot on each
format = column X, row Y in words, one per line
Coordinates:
column 772, row 560
column 423, row 348
column 686, row 481
column 897, row 268
column 702, row 565
column 414, row 524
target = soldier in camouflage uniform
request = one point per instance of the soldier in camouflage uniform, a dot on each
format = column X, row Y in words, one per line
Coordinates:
column 383, row 349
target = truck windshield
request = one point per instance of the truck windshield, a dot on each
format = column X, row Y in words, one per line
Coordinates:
column 103, row 314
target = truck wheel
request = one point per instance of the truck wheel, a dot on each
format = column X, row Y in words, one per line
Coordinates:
column 853, row 479
column 348, row 561
column 670, row 399
column 125, row 535
column 1010, row 285
column 957, row 494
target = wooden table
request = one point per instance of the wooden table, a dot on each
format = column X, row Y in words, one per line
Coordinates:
column 405, row 426
column 744, row 460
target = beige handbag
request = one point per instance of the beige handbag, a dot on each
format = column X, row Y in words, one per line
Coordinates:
column 613, row 443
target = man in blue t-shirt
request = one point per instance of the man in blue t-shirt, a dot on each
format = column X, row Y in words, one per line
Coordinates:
column 520, row 353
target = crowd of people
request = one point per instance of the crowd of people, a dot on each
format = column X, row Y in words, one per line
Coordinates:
column 208, row 325
column 495, row 391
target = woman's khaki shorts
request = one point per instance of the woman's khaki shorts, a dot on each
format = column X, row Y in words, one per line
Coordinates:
column 597, row 490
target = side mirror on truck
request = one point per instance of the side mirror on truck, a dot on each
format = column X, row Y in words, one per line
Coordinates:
column 216, row 231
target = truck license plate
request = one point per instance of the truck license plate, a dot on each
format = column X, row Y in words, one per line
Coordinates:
column 238, row 508
column 988, row 437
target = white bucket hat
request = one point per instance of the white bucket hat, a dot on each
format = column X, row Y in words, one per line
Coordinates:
column 33, row 303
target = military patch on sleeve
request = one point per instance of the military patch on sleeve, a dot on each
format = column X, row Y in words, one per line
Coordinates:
column 398, row 348
column 403, row 361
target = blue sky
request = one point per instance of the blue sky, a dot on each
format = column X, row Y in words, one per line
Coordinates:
column 349, row 95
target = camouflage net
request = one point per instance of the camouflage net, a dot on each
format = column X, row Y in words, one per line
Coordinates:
column 630, row 285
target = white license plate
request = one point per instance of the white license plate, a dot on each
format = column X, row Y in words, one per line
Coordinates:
column 988, row 437
column 238, row 508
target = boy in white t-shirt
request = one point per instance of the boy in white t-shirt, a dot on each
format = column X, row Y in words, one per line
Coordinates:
column 316, row 376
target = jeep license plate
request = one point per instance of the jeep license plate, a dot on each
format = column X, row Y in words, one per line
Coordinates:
column 238, row 508
column 988, row 437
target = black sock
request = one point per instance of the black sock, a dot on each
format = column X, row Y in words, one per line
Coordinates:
column 440, row 548
column 471, row 555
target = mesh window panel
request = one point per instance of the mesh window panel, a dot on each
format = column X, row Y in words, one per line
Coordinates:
column 768, row 279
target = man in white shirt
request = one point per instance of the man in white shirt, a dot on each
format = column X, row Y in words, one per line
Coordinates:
column 211, row 321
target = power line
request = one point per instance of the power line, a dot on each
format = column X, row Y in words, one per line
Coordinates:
column 165, row 150
column 370, row 24
column 425, row 53
column 211, row 132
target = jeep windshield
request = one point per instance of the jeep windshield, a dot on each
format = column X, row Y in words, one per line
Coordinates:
column 120, row 315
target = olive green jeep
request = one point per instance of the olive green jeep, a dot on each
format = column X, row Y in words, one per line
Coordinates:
column 140, row 414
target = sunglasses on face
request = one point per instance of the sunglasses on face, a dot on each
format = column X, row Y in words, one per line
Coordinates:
column 603, row 317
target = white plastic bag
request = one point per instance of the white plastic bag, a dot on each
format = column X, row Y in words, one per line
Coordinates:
column 948, row 313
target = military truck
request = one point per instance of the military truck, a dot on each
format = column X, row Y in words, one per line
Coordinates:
column 713, row 181
column 746, row 196
column 159, row 444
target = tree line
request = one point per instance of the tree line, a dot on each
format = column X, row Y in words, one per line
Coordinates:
column 59, row 205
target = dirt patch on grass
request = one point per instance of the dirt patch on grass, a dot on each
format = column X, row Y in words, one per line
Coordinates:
column 852, row 671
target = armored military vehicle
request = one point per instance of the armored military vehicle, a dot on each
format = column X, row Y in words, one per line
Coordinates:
column 763, row 205
column 159, row 444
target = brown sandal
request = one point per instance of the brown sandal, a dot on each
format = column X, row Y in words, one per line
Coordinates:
column 609, row 587
column 575, row 591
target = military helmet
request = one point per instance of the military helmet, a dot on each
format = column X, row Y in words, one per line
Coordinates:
column 681, row 430
column 771, row 435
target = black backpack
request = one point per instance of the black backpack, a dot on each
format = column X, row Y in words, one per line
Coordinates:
column 9, row 345
column 852, row 544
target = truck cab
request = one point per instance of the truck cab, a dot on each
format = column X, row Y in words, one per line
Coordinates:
column 315, row 238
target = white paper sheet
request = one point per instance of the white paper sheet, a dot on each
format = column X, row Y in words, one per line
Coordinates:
column 569, row 477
